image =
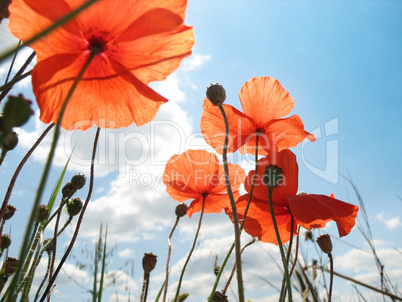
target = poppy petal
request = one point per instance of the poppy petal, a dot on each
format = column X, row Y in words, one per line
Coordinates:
column 264, row 99
column 241, row 127
column 52, row 78
column 288, row 132
column 214, row 203
column 236, row 177
column 286, row 160
column 193, row 169
column 258, row 222
column 312, row 210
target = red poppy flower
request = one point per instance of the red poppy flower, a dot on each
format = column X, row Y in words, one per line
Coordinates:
column 196, row 174
column 265, row 102
column 308, row 210
column 138, row 42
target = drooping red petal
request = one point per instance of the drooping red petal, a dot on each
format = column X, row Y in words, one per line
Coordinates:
column 214, row 203
column 258, row 221
column 286, row 160
column 264, row 99
column 287, row 132
column 236, row 177
column 314, row 211
column 193, row 170
column 241, row 127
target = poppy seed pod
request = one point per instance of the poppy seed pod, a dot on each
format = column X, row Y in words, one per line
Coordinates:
column 16, row 112
column 273, row 176
column 10, row 142
column 218, row 297
column 49, row 245
column 78, row 181
column 10, row 210
column 181, row 210
column 67, row 190
column 325, row 243
column 148, row 262
column 5, row 241
column 216, row 93
column 74, row 207
column 43, row 213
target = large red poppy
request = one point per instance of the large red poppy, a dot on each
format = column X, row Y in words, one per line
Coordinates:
column 308, row 210
column 265, row 102
column 196, row 174
column 138, row 42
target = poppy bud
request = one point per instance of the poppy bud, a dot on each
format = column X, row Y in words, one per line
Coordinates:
column 324, row 242
column 273, row 176
column 183, row 297
column 216, row 93
column 148, row 262
column 78, row 181
column 10, row 210
column 74, row 206
column 5, row 241
column 10, row 266
column 10, row 142
column 308, row 235
column 218, row 297
column 181, row 210
column 4, row 12
column 67, row 190
column 16, row 112
column 216, row 270
column 43, row 213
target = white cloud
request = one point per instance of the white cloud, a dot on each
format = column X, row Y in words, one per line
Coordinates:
column 126, row 253
column 390, row 223
column 195, row 61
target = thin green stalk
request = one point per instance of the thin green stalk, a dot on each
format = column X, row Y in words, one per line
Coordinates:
column 160, row 292
column 16, row 79
column 49, row 262
column 234, row 209
column 60, row 22
column 75, row 235
column 241, row 226
column 176, row 298
column 12, row 62
column 103, row 269
column 45, row 174
column 18, row 170
column 285, row 264
column 284, row 284
column 168, row 258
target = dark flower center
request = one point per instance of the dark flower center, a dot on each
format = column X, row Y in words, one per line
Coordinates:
column 97, row 44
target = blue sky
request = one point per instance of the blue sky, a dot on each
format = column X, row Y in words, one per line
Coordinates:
column 340, row 60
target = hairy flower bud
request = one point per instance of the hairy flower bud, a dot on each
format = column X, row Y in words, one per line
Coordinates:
column 216, row 94
column 218, row 297
column 16, row 112
column 325, row 243
column 10, row 210
column 181, row 210
column 148, row 262
column 10, row 142
column 67, row 190
column 48, row 244
column 273, row 176
column 74, row 206
column 5, row 241
column 78, row 181
column 43, row 213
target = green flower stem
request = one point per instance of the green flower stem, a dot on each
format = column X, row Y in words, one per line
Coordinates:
column 234, row 209
column 45, row 174
column 17, row 171
column 288, row 254
column 234, row 268
column 12, row 62
column 60, row 22
column 168, row 258
column 49, row 262
column 176, row 298
column 75, row 235
column 331, row 264
column 242, row 223
column 285, row 264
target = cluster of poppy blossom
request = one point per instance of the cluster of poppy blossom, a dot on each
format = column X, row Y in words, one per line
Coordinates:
column 261, row 127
